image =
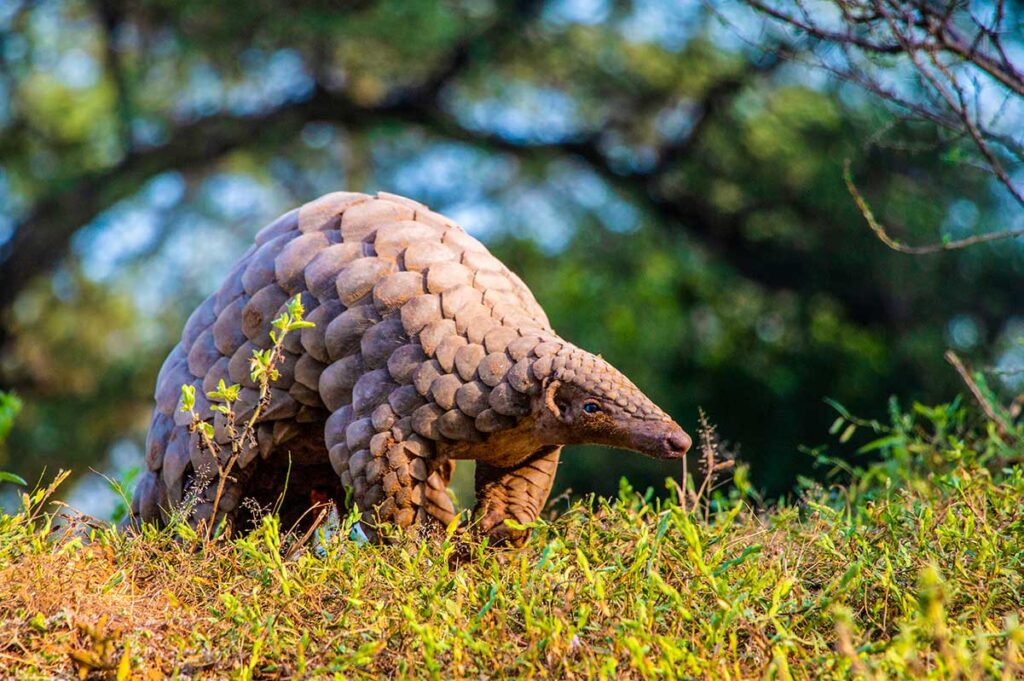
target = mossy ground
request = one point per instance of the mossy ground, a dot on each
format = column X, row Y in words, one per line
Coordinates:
column 912, row 568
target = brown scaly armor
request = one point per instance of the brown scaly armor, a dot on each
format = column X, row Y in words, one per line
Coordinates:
column 426, row 349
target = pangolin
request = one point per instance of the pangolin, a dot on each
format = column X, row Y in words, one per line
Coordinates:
column 425, row 349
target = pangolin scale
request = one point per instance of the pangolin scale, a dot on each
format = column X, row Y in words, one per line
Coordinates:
column 426, row 349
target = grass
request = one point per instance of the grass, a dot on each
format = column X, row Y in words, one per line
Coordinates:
column 912, row 568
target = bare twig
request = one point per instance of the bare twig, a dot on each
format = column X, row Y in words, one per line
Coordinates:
column 883, row 234
column 1002, row 427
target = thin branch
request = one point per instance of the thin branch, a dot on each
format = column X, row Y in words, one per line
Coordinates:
column 883, row 234
column 1005, row 72
column 1002, row 427
column 819, row 33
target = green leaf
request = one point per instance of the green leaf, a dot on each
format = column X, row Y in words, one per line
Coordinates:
column 38, row 622
column 188, row 397
column 10, row 407
column 840, row 408
column 880, row 443
column 836, row 425
column 12, row 478
column 848, row 433
column 228, row 393
column 280, row 321
column 752, row 550
column 295, row 307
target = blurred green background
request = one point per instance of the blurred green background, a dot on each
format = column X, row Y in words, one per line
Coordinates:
column 669, row 187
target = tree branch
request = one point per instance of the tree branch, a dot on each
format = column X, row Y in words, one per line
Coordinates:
column 1005, row 431
column 42, row 237
column 883, row 234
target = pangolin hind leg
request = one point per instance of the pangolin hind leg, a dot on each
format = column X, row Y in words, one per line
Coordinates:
column 517, row 493
column 394, row 474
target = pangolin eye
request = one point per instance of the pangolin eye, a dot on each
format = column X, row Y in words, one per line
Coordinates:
column 591, row 407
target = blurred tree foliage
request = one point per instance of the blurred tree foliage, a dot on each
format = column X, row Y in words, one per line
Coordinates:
column 671, row 191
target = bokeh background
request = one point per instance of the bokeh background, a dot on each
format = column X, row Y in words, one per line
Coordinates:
column 666, row 176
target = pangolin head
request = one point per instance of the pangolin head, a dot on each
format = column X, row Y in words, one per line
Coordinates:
column 586, row 400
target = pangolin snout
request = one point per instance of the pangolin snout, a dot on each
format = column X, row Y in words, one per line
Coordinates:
column 660, row 440
column 676, row 444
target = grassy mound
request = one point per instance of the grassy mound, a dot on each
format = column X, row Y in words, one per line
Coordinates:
column 913, row 567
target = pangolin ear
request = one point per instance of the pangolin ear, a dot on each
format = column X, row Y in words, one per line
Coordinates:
column 551, row 401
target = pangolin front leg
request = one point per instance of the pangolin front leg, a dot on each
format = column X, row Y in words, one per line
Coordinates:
column 394, row 474
column 517, row 493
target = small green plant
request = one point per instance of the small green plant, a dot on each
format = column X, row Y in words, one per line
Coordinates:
column 239, row 428
column 10, row 406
